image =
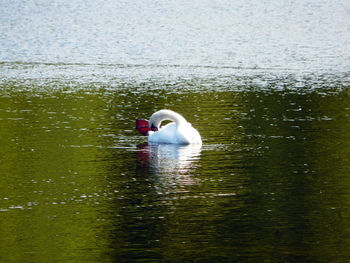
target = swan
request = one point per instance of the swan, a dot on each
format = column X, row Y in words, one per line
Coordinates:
column 177, row 132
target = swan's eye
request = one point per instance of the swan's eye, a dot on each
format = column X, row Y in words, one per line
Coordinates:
column 153, row 128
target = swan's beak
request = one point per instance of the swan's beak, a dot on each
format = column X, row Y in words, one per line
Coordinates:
column 142, row 126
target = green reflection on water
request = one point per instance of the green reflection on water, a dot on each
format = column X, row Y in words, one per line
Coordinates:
column 269, row 184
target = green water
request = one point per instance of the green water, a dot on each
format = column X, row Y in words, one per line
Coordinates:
column 271, row 182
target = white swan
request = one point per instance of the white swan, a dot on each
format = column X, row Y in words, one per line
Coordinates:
column 177, row 132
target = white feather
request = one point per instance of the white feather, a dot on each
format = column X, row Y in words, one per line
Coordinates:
column 178, row 132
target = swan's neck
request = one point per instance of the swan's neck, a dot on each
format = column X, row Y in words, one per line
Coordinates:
column 162, row 115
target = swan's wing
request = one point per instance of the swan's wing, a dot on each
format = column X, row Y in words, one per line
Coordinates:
column 166, row 134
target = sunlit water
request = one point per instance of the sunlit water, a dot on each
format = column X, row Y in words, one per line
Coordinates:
column 265, row 83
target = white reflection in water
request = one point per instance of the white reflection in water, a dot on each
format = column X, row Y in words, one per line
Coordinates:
column 172, row 164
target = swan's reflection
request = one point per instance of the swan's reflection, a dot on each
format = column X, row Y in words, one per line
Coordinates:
column 171, row 163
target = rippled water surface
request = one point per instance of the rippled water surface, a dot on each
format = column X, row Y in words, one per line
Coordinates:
column 267, row 85
column 270, row 182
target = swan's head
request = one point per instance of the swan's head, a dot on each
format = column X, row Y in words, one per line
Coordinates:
column 144, row 128
column 154, row 127
column 155, row 120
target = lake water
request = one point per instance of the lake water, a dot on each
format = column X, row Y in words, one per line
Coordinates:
column 267, row 85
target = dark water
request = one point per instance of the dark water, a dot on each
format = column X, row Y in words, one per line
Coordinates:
column 267, row 85
column 270, row 183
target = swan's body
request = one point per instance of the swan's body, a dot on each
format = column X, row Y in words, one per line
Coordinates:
column 177, row 132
